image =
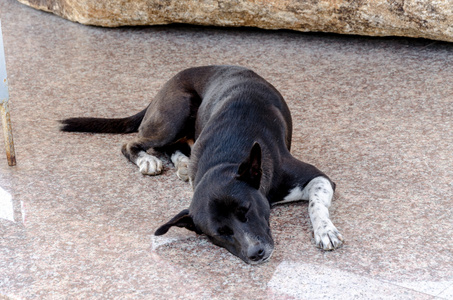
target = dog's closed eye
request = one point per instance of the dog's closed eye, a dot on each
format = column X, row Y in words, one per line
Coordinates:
column 225, row 231
column 241, row 214
column 242, row 218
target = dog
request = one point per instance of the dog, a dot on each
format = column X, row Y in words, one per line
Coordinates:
column 236, row 128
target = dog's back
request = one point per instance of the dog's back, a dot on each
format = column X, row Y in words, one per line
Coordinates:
column 238, row 109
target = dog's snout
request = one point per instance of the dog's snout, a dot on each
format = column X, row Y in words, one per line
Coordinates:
column 256, row 253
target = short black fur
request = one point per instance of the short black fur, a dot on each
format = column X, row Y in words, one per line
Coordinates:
column 240, row 162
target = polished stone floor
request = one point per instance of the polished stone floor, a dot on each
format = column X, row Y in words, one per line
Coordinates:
column 77, row 219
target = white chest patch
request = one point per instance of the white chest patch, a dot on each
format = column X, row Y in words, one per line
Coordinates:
column 296, row 194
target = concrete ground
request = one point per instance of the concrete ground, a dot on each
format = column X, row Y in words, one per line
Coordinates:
column 77, row 219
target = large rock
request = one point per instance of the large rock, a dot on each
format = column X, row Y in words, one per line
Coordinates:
column 413, row 18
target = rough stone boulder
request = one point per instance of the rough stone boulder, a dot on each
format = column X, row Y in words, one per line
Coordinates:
column 412, row 18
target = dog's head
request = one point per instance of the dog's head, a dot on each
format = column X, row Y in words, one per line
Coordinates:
column 229, row 208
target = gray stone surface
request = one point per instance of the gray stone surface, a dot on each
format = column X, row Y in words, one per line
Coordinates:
column 412, row 18
column 375, row 114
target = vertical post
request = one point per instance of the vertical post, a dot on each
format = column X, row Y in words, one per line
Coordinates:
column 4, row 108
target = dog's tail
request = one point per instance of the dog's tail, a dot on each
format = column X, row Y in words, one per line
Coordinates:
column 103, row 125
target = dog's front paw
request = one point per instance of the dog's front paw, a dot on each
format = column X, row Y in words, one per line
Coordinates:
column 149, row 165
column 327, row 237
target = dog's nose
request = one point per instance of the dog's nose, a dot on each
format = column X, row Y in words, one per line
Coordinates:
column 256, row 253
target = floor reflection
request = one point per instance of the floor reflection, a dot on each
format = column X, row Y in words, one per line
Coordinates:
column 6, row 206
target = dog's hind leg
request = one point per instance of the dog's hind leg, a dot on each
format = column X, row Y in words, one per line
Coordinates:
column 169, row 119
column 181, row 163
column 163, row 140
column 135, row 151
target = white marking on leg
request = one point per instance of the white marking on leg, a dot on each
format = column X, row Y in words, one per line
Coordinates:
column 319, row 193
column 148, row 164
column 181, row 163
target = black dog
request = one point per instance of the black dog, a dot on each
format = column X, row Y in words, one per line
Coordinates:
column 236, row 128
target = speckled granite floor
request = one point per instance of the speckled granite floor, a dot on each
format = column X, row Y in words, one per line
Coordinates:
column 77, row 219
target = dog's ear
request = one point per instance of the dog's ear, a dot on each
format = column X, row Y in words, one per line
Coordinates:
column 250, row 170
column 183, row 219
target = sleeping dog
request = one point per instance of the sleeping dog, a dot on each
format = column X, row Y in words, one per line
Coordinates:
column 236, row 128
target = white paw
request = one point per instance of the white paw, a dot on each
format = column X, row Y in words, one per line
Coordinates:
column 149, row 165
column 181, row 163
column 327, row 237
column 183, row 170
